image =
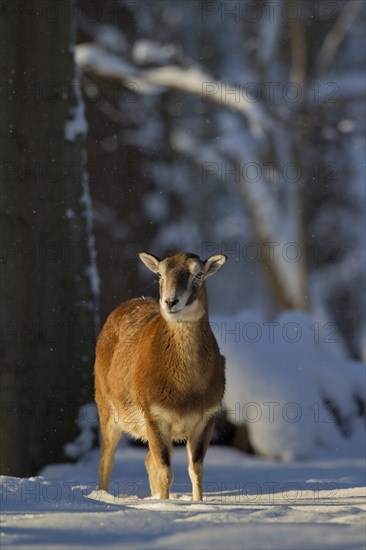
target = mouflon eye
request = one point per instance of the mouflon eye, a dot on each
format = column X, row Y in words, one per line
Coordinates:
column 198, row 278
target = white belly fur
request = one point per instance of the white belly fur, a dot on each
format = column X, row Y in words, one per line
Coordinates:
column 181, row 427
column 177, row 427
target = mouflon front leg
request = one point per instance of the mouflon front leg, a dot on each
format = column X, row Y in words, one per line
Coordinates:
column 158, row 460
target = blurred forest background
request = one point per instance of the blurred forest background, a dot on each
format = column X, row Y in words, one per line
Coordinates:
column 233, row 127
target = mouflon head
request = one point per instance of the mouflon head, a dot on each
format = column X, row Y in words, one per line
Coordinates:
column 182, row 283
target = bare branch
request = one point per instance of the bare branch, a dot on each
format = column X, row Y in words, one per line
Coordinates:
column 298, row 53
column 337, row 34
column 270, row 36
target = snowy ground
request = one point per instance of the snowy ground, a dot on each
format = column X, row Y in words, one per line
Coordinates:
column 249, row 503
column 280, row 377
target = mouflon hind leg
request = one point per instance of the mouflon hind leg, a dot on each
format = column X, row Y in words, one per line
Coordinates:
column 111, row 434
column 197, row 446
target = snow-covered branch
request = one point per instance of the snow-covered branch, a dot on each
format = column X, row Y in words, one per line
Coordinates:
column 193, row 80
column 270, row 226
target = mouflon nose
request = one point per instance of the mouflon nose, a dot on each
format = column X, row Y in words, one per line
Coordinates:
column 171, row 303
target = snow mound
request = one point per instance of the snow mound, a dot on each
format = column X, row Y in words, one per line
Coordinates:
column 289, row 382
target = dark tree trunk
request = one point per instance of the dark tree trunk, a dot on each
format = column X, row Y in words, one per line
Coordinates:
column 47, row 300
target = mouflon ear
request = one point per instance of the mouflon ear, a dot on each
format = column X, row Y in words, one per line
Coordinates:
column 213, row 264
column 151, row 262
